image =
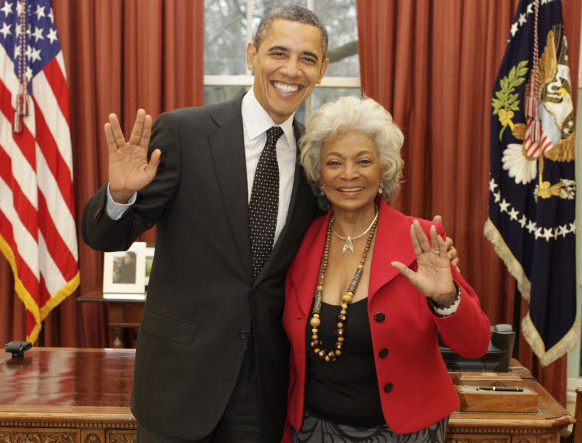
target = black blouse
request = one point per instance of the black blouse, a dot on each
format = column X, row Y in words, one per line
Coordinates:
column 344, row 391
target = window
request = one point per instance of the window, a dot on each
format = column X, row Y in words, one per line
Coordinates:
column 230, row 24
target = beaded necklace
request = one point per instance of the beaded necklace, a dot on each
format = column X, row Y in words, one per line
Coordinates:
column 315, row 321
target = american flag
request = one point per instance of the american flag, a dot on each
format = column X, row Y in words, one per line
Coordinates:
column 37, row 225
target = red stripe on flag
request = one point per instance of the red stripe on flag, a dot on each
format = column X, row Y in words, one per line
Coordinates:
column 24, row 140
column 56, row 246
column 58, row 84
column 24, row 209
column 54, row 159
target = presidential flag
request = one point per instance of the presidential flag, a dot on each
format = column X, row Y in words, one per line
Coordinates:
column 532, row 187
column 37, row 225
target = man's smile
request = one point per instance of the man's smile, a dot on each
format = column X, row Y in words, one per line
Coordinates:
column 285, row 87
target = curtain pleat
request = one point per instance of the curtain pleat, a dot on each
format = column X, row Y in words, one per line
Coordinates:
column 433, row 64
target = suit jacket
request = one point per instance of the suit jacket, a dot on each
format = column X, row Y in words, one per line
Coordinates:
column 415, row 387
column 201, row 296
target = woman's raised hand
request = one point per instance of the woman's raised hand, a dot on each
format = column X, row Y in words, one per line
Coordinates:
column 129, row 170
column 433, row 277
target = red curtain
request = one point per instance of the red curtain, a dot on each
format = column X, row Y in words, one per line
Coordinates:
column 433, row 64
column 120, row 56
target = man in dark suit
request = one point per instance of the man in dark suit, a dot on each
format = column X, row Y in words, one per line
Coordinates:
column 212, row 356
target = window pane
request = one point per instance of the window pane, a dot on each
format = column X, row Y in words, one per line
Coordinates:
column 339, row 17
column 219, row 94
column 225, row 37
column 261, row 7
column 324, row 95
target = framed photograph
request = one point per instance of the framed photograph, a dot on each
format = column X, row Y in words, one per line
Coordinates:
column 124, row 271
column 149, row 252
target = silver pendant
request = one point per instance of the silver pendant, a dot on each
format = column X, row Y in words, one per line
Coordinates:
column 348, row 245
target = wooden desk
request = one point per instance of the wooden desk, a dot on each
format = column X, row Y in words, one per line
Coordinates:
column 124, row 314
column 64, row 395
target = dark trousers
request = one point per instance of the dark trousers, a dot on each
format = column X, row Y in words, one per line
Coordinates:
column 241, row 421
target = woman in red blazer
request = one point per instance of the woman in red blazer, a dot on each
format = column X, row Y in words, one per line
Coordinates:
column 367, row 294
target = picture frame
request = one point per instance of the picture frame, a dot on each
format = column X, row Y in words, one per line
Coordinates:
column 124, row 271
column 149, row 252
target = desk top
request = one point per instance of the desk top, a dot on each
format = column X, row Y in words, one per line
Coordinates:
column 69, row 381
column 96, row 383
column 99, row 296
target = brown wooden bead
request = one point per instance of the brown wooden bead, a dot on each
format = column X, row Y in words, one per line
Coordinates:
column 339, row 346
column 347, row 299
column 316, row 344
column 341, row 317
column 321, row 353
column 340, row 332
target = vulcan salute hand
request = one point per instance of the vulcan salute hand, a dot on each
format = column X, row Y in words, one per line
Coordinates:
column 433, row 277
column 129, row 170
column 451, row 250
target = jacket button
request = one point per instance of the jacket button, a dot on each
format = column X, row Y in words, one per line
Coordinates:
column 379, row 316
column 383, row 353
column 388, row 387
column 243, row 335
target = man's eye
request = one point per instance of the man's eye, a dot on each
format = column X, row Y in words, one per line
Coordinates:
column 309, row 60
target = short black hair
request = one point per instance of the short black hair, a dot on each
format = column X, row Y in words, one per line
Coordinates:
column 291, row 13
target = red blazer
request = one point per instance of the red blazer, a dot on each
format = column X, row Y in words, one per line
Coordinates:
column 415, row 387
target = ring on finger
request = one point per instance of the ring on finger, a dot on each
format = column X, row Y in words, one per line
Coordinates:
column 437, row 252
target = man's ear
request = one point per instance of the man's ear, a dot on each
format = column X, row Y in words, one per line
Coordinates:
column 251, row 56
column 323, row 69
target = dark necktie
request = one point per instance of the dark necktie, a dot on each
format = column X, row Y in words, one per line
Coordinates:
column 264, row 202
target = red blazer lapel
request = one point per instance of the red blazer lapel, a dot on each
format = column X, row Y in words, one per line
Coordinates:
column 305, row 268
column 392, row 243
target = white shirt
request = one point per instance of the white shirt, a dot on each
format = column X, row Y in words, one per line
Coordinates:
column 256, row 122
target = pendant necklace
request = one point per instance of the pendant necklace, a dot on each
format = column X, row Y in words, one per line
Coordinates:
column 342, row 318
column 348, row 240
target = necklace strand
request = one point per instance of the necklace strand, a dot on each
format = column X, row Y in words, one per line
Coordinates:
column 348, row 240
column 342, row 318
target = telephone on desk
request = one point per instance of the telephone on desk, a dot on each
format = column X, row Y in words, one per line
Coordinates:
column 495, row 360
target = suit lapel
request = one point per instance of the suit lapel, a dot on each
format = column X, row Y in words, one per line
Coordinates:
column 392, row 243
column 228, row 153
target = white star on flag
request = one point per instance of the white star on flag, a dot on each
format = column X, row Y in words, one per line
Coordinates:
column 513, row 214
column 5, row 30
column 503, row 206
column 6, row 9
column 39, row 12
column 38, row 34
column 35, row 55
column 52, row 35
column 531, row 226
column 547, row 234
column 522, row 19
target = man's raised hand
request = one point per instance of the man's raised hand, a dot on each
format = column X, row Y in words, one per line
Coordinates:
column 129, row 170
